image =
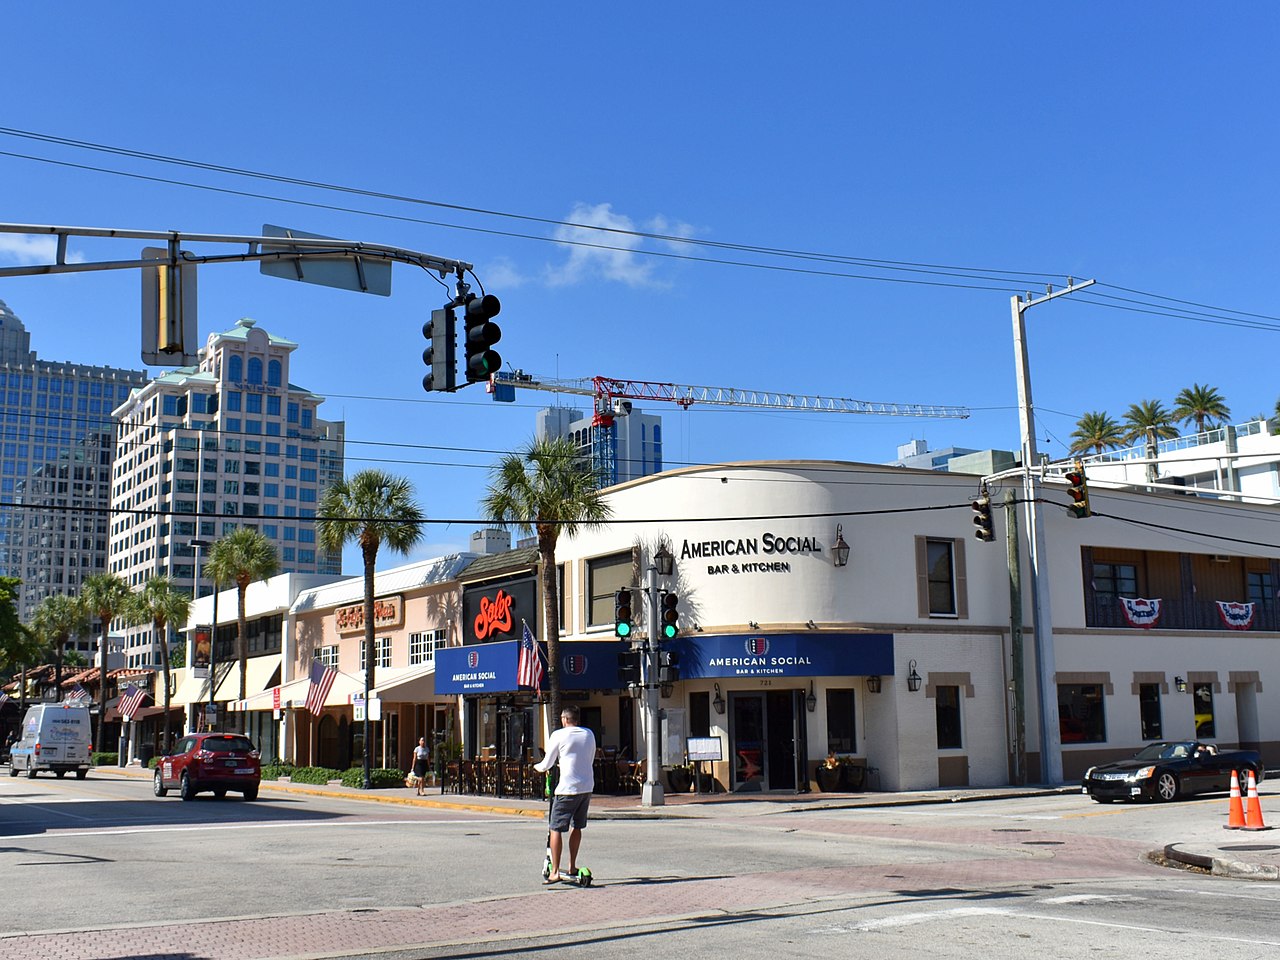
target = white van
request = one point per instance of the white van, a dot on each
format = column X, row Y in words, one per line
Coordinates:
column 54, row 736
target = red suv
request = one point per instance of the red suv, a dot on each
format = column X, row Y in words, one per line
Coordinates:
column 210, row 761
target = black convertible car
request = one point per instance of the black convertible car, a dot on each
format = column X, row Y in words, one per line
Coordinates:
column 1165, row 771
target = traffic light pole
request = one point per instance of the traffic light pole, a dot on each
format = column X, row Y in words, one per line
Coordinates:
column 652, row 795
column 1046, row 688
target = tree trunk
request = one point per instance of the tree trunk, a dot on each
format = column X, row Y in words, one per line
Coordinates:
column 551, row 624
column 164, row 663
column 242, row 652
column 102, row 685
column 370, row 655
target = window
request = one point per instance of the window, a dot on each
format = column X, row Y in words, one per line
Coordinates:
column 233, row 401
column 1111, row 580
column 1080, row 713
column 1149, row 711
column 328, row 656
column 940, row 578
column 273, row 373
column 235, row 369
column 841, row 726
column 947, row 711
column 382, row 652
column 255, row 369
column 422, row 646
column 1206, row 728
column 273, row 405
column 605, row 576
column 253, row 403
column 1262, row 590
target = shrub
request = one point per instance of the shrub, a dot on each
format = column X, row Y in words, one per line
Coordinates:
column 274, row 771
column 379, row 777
column 151, row 764
column 314, row 774
column 105, row 759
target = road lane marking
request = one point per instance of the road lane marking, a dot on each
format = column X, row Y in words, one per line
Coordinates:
column 211, row 827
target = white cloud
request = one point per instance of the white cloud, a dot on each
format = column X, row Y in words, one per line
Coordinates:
column 585, row 262
column 25, row 248
column 503, row 274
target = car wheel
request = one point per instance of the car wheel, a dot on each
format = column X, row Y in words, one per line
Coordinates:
column 158, row 787
column 251, row 793
column 187, row 789
column 59, row 774
column 1166, row 786
column 81, row 774
column 13, row 771
column 219, row 793
column 1104, row 799
column 31, row 773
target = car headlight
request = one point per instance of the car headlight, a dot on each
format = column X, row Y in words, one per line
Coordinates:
column 1144, row 773
column 1089, row 773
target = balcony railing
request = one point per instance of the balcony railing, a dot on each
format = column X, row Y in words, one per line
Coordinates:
column 1201, row 615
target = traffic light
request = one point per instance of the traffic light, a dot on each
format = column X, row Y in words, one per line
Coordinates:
column 481, row 362
column 668, row 666
column 670, row 616
column 628, row 668
column 439, row 355
column 982, row 518
column 1078, row 491
column 622, row 624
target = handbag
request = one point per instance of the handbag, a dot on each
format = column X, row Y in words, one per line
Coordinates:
column 412, row 780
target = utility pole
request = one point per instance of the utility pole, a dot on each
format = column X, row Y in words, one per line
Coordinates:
column 652, row 795
column 1046, row 689
column 1017, row 668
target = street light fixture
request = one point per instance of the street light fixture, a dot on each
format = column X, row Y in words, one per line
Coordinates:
column 1181, row 684
column 212, row 709
column 664, row 560
column 873, row 684
column 840, row 550
column 913, row 678
column 718, row 702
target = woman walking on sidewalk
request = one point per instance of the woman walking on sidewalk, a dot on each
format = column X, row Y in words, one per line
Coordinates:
column 421, row 755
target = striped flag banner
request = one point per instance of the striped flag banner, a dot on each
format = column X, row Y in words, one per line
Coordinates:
column 4, row 698
column 131, row 701
column 79, row 695
column 529, row 668
column 322, row 678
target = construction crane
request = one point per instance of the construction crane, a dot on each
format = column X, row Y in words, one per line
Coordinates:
column 607, row 391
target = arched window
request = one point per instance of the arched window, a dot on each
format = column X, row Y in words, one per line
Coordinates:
column 273, row 373
column 255, row 370
column 235, row 369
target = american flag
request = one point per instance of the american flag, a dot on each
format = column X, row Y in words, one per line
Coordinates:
column 322, row 678
column 529, row 669
column 79, row 695
column 131, row 701
column 4, row 698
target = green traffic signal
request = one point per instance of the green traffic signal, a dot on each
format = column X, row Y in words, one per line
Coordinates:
column 670, row 616
column 622, row 613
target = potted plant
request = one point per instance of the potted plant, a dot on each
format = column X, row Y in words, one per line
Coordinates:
column 680, row 778
column 828, row 774
column 852, row 773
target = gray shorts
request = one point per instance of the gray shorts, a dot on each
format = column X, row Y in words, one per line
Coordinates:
column 569, row 808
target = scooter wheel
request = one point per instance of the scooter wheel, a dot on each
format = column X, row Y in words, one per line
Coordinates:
column 584, row 877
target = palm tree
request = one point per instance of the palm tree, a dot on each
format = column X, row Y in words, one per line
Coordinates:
column 161, row 604
column 1201, row 406
column 371, row 508
column 242, row 556
column 547, row 490
column 1096, row 431
column 59, row 618
column 106, row 595
column 1149, row 421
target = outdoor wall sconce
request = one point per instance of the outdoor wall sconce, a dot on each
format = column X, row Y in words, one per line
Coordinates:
column 811, row 701
column 873, row 684
column 1180, row 684
column 664, row 561
column 913, row 678
column 840, row 550
column 718, row 702
column 666, row 690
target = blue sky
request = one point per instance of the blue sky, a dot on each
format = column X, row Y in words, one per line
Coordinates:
column 1132, row 145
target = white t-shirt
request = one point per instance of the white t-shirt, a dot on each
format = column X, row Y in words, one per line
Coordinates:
column 574, row 748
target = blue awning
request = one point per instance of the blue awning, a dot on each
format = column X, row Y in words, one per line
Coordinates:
column 491, row 667
column 784, row 655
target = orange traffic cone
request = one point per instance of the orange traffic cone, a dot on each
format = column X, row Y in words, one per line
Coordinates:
column 1254, row 811
column 1235, row 814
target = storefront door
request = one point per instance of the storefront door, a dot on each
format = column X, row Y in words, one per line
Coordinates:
column 766, row 739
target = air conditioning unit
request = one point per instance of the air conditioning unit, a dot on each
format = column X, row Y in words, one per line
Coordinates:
column 1219, row 558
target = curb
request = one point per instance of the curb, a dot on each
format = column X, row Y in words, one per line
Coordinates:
column 1221, row 867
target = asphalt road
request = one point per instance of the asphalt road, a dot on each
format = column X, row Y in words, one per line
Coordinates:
column 100, row 868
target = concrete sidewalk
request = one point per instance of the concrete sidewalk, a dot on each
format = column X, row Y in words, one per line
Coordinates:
column 1240, row 854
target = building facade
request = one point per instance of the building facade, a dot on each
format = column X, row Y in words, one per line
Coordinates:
column 56, row 454
column 635, row 439
column 204, row 450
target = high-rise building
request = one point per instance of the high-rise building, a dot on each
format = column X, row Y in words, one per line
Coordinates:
column 204, row 450
column 55, row 467
column 637, row 438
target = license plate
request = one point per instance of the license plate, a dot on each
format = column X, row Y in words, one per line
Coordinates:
column 244, row 769
column 48, row 751
column 1110, row 776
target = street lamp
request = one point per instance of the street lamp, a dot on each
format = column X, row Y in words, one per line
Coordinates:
column 664, row 561
column 913, row 678
column 840, row 550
